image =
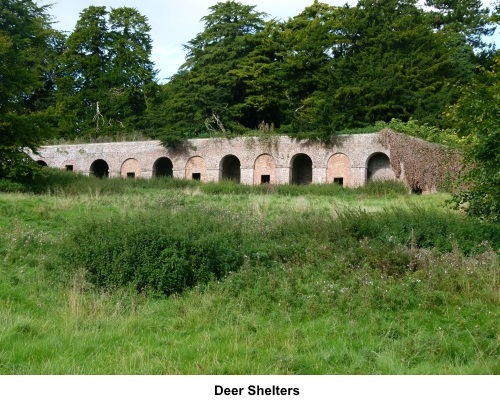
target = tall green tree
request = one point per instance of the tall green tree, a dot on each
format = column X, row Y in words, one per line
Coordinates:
column 207, row 93
column 476, row 116
column 83, row 80
column 25, row 35
column 395, row 66
column 466, row 17
column 176, row 115
column 105, row 69
column 131, row 68
column 326, row 69
column 261, row 72
column 314, row 39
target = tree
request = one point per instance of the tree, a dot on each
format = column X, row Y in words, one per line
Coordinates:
column 394, row 66
column 176, row 115
column 465, row 17
column 227, row 23
column 82, row 82
column 314, row 39
column 24, row 40
column 325, row 70
column 105, row 68
column 209, row 94
column 267, row 96
column 476, row 117
column 131, row 68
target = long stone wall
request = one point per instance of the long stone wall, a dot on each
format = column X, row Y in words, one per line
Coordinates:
column 349, row 160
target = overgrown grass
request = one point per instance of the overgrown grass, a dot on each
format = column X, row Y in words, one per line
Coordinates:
column 292, row 280
column 58, row 182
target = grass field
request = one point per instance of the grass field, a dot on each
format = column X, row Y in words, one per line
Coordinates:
column 175, row 277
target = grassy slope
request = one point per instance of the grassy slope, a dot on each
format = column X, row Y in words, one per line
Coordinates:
column 310, row 316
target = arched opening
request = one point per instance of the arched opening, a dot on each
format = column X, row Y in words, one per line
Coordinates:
column 264, row 170
column 379, row 167
column 195, row 169
column 301, row 169
column 230, row 167
column 339, row 170
column 130, row 169
column 163, row 167
column 42, row 163
column 99, row 168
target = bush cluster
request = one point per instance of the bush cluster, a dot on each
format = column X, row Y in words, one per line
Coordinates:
column 9, row 186
column 163, row 252
column 168, row 250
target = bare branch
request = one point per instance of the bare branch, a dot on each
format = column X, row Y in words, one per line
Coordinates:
column 98, row 116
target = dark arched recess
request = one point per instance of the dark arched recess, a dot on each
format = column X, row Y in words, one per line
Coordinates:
column 99, row 168
column 230, row 168
column 301, row 169
column 163, row 167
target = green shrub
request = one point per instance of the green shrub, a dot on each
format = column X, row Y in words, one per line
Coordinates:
column 162, row 252
column 383, row 258
column 8, row 186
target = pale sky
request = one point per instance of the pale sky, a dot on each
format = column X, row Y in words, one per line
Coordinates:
column 174, row 23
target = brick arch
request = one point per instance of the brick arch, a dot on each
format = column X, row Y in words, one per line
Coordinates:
column 130, row 168
column 230, row 168
column 163, row 167
column 338, row 170
column 378, row 166
column 301, row 169
column 264, row 169
column 99, row 168
column 196, row 169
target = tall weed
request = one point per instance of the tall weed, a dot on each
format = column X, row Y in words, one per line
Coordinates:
column 421, row 227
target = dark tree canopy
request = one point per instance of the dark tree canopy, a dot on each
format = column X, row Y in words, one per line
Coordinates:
column 225, row 27
column 105, row 71
column 476, row 116
column 326, row 69
column 395, row 67
column 207, row 94
column 25, row 49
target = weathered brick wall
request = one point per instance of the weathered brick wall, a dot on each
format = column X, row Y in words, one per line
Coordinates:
column 339, row 167
column 264, row 166
column 347, row 157
column 196, row 168
column 131, row 168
